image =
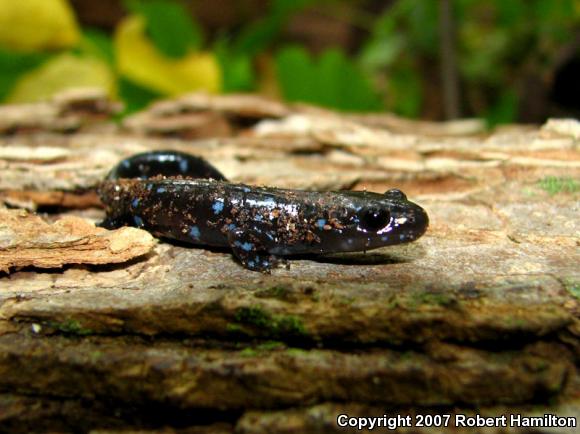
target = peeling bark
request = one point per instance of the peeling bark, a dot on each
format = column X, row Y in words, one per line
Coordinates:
column 481, row 314
column 27, row 240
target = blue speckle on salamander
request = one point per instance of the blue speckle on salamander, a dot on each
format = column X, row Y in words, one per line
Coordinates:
column 184, row 166
column 256, row 222
column 218, row 206
column 194, row 232
column 248, row 247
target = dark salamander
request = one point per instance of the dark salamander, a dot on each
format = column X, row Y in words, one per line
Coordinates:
column 181, row 197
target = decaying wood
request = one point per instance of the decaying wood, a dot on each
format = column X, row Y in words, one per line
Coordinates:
column 27, row 240
column 70, row 111
column 202, row 115
column 481, row 313
column 231, row 380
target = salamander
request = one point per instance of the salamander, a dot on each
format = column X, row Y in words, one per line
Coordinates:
column 181, row 197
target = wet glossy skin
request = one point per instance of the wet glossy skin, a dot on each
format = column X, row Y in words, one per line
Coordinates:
column 167, row 163
column 260, row 224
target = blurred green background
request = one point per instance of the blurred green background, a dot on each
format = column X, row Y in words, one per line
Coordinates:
column 502, row 60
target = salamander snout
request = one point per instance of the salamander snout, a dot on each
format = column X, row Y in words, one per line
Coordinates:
column 390, row 220
column 414, row 223
column 410, row 221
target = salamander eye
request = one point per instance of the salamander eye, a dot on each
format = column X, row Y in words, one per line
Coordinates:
column 373, row 219
column 395, row 194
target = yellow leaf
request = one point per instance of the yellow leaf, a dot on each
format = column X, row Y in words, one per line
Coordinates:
column 141, row 62
column 35, row 25
column 62, row 72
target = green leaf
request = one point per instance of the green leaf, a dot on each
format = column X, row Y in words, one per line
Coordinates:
column 405, row 91
column 510, row 13
column 333, row 80
column 555, row 11
column 62, row 71
column 296, row 74
column 286, row 7
column 258, row 35
column 504, row 110
column 135, row 97
column 169, row 25
column 423, row 25
column 13, row 65
column 96, row 43
column 482, row 60
column 556, row 22
column 237, row 68
column 381, row 52
column 358, row 92
column 329, row 78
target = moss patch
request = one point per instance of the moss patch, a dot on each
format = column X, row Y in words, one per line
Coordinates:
column 429, row 298
column 233, row 328
column 575, row 290
column 271, row 345
column 279, row 292
column 297, row 352
column 249, row 352
column 268, row 324
column 288, row 293
column 573, row 287
column 70, row 326
column 554, row 185
column 262, row 348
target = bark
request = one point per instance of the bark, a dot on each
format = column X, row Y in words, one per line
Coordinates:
column 480, row 315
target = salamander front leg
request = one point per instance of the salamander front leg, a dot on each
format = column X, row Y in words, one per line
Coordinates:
column 113, row 223
column 248, row 246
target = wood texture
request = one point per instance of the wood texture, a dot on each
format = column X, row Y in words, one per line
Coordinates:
column 480, row 314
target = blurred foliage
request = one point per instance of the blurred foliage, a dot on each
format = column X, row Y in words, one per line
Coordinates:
column 61, row 72
column 497, row 41
column 13, row 65
column 515, row 36
column 142, row 62
column 171, row 29
column 33, row 25
column 401, row 37
column 333, row 80
column 160, row 50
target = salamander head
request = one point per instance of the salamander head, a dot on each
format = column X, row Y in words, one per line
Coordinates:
column 376, row 220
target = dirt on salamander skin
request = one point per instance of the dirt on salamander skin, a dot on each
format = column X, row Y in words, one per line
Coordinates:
column 260, row 224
